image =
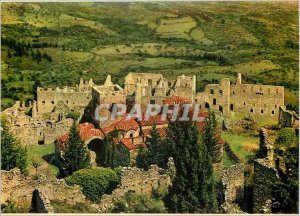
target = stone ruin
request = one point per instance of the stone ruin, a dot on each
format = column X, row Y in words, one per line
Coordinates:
column 37, row 194
column 139, row 181
column 233, row 181
column 48, row 114
column 266, row 147
column 287, row 118
column 265, row 174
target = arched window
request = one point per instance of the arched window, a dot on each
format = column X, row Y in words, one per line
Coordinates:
column 231, row 107
column 214, row 101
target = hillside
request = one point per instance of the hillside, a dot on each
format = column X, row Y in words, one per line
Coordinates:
column 54, row 44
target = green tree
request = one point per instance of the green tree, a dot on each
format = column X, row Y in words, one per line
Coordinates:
column 12, row 153
column 193, row 187
column 156, row 151
column 211, row 138
column 76, row 155
column 286, row 191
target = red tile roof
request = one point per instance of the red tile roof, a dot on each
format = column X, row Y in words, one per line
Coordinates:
column 127, row 142
column 153, row 120
column 177, row 100
column 86, row 131
column 122, row 124
column 200, row 125
column 162, row 132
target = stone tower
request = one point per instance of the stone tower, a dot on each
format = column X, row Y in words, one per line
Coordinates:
column 34, row 111
column 239, row 79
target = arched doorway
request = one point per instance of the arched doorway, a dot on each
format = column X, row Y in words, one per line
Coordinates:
column 207, row 105
column 97, row 151
column 231, row 107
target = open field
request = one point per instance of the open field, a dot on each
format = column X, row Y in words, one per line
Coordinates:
column 92, row 40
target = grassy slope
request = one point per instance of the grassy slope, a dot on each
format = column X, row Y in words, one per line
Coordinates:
column 96, row 39
column 39, row 154
column 243, row 145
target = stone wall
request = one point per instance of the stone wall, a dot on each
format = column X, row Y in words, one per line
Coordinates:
column 287, row 118
column 215, row 97
column 233, row 183
column 265, row 175
column 136, row 180
column 154, row 88
column 20, row 190
column 47, row 99
column 254, row 99
column 43, row 132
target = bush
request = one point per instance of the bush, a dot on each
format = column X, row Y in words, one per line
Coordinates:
column 95, row 181
column 136, row 203
column 73, row 115
column 62, row 207
column 286, row 136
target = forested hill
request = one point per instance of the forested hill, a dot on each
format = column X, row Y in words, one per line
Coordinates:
column 54, row 44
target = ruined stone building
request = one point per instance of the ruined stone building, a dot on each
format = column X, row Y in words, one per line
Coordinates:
column 75, row 98
column 44, row 120
column 244, row 98
column 154, row 88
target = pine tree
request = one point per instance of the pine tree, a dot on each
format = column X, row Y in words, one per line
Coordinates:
column 211, row 138
column 193, row 188
column 12, row 154
column 76, row 155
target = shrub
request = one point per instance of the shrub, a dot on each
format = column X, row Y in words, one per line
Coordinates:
column 137, row 203
column 286, row 136
column 95, row 181
column 73, row 115
column 62, row 207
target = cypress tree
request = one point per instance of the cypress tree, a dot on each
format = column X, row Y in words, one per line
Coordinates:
column 12, row 154
column 211, row 138
column 156, row 151
column 76, row 156
column 193, row 187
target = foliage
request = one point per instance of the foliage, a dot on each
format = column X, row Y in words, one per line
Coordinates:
column 10, row 207
column 286, row 191
column 36, row 165
column 211, row 138
column 95, row 181
column 73, row 115
column 156, row 151
column 137, row 203
column 76, row 155
column 62, row 207
column 12, row 153
column 193, row 189
column 52, row 52
column 286, row 137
